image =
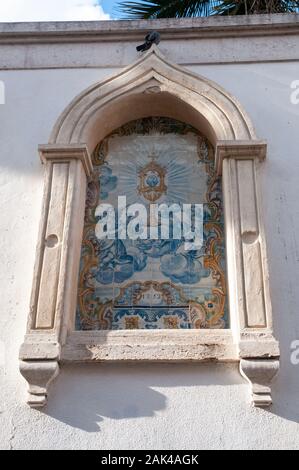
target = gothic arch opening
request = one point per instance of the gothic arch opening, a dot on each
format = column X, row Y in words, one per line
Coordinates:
column 152, row 86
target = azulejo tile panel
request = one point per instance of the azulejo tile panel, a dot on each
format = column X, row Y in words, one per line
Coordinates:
column 153, row 283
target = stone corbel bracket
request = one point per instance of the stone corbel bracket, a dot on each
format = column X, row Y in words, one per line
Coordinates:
column 249, row 297
column 260, row 373
column 56, row 269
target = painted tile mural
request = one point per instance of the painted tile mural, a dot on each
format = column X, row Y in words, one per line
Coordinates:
column 136, row 284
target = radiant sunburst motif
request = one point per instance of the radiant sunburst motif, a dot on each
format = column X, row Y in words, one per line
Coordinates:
column 152, row 180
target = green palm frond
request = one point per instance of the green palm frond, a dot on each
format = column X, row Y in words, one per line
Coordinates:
column 146, row 9
column 167, row 9
column 250, row 7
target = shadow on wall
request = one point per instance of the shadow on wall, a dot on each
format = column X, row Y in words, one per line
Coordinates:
column 126, row 391
column 285, row 390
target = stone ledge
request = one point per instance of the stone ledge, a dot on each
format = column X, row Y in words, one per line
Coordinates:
column 150, row 346
column 127, row 30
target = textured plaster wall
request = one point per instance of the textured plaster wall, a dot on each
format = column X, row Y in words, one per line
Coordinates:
column 152, row 406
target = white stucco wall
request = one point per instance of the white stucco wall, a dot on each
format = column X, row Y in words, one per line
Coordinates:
column 146, row 406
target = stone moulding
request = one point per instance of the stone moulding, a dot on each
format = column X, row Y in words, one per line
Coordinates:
column 173, row 29
column 179, row 94
column 150, row 346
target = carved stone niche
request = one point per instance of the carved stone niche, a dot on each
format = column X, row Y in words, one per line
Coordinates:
column 152, row 86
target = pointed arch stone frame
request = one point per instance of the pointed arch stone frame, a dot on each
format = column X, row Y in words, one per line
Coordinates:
column 151, row 86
